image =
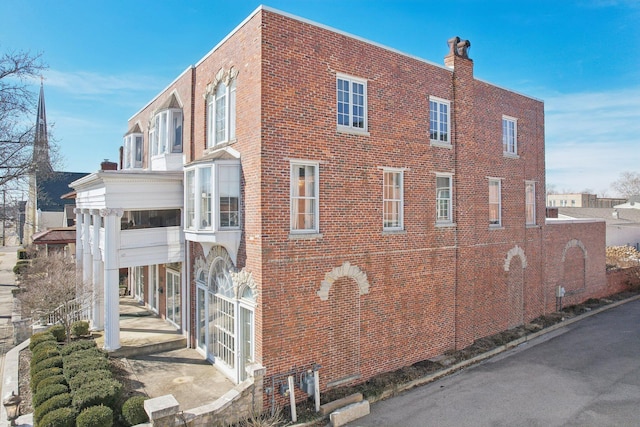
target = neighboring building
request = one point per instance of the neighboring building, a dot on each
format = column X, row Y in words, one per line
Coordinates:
column 582, row 200
column 632, row 203
column 301, row 196
column 44, row 208
column 623, row 224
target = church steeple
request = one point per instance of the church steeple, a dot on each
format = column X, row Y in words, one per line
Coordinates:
column 41, row 160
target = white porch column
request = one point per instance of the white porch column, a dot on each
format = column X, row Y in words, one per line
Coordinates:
column 111, row 264
column 97, row 297
column 78, row 213
column 86, row 247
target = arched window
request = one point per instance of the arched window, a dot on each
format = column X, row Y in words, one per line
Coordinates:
column 221, row 114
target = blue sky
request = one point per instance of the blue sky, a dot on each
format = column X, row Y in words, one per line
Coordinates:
column 582, row 58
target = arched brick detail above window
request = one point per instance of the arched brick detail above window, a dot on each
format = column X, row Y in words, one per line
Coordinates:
column 345, row 270
column 572, row 244
column 515, row 251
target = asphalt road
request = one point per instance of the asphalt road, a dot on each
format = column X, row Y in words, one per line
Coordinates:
column 586, row 374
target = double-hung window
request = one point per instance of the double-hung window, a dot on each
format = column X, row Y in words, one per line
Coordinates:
column 392, row 200
column 530, row 202
column 439, row 120
column 509, row 135
column 304, row 197
column 495, row 202
column 351, row 95
column 443, row 198
column 221, row 114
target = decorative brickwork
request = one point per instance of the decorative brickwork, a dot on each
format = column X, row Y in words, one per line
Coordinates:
column 345, row 270
column 515, row 251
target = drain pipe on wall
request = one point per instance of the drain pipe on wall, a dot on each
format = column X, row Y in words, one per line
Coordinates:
column 292, row 398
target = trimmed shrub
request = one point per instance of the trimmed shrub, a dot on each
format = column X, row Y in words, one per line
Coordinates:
column 80, row 328
column 56, row 402
column 76, row 346
column 52, row 362
column 21, row 266
column 61, row 417
column 45, row 373
column 90, row 353
column 55, row 379
column 58, row 332
column 43, row 353
column 133, row 410
column 44, row 345
column 40, row 337
column 45, row 393
column 105, row 392
column 95, row 416
column 88, row 377
column 22, row 253
column 73, row 367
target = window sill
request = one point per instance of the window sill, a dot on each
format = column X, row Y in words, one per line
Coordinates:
column 441, row 144
column 352, row 131
column 532, row 226
column 220, row 145
column 305, row 236
column 392, row 232
column 496, row 227
column 510, row 155
column 445, row 224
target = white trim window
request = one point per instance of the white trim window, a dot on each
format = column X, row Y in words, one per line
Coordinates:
column 133, row 151
column 221, row 114
column 495, row 202
column 190, row 190
column 173, row 297
column 443, row 198
column 351, row 97
column 439, row 120
column 392, row 200
column 166, row 134
column 212, row 196
column 304, row 197
column 509, row 135
column 530, row 202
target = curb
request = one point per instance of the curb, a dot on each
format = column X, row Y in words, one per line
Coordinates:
column 481, row 357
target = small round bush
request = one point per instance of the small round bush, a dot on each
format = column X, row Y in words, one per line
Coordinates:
column 40, row 376
column 133, row 410
column 40, row 337
column 95, row 416
column 43, row 353
column 55, row 379
column 61, row 417
column 80, row 328
column 105, row 392
column 45, row 393
column 58, row 332
column 88, row 377
column 52, row 362
column 77, row 345
column 56, row 402
column 72, row 368
column 21, row 266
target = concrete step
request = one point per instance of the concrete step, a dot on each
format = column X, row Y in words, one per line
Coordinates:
column 152, row 348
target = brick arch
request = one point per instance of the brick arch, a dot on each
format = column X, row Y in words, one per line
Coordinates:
column 515, row 251
column 345, row 270
column 572, row 244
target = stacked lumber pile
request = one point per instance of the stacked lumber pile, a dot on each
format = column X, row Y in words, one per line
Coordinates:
column 622, row 256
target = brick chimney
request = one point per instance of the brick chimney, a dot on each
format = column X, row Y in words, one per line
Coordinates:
column 106, row 165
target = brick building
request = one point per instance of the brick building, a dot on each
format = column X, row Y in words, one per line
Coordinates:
column 301, row 196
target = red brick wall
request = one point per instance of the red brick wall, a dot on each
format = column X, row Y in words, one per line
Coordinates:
column 575, row 260
column 621, row 280
column 428, row 288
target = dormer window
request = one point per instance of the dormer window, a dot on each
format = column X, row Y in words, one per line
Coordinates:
column 221, row 109
column 166, row 132
column 132, row 156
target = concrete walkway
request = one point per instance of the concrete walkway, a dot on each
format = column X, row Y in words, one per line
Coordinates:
column 8, row 258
